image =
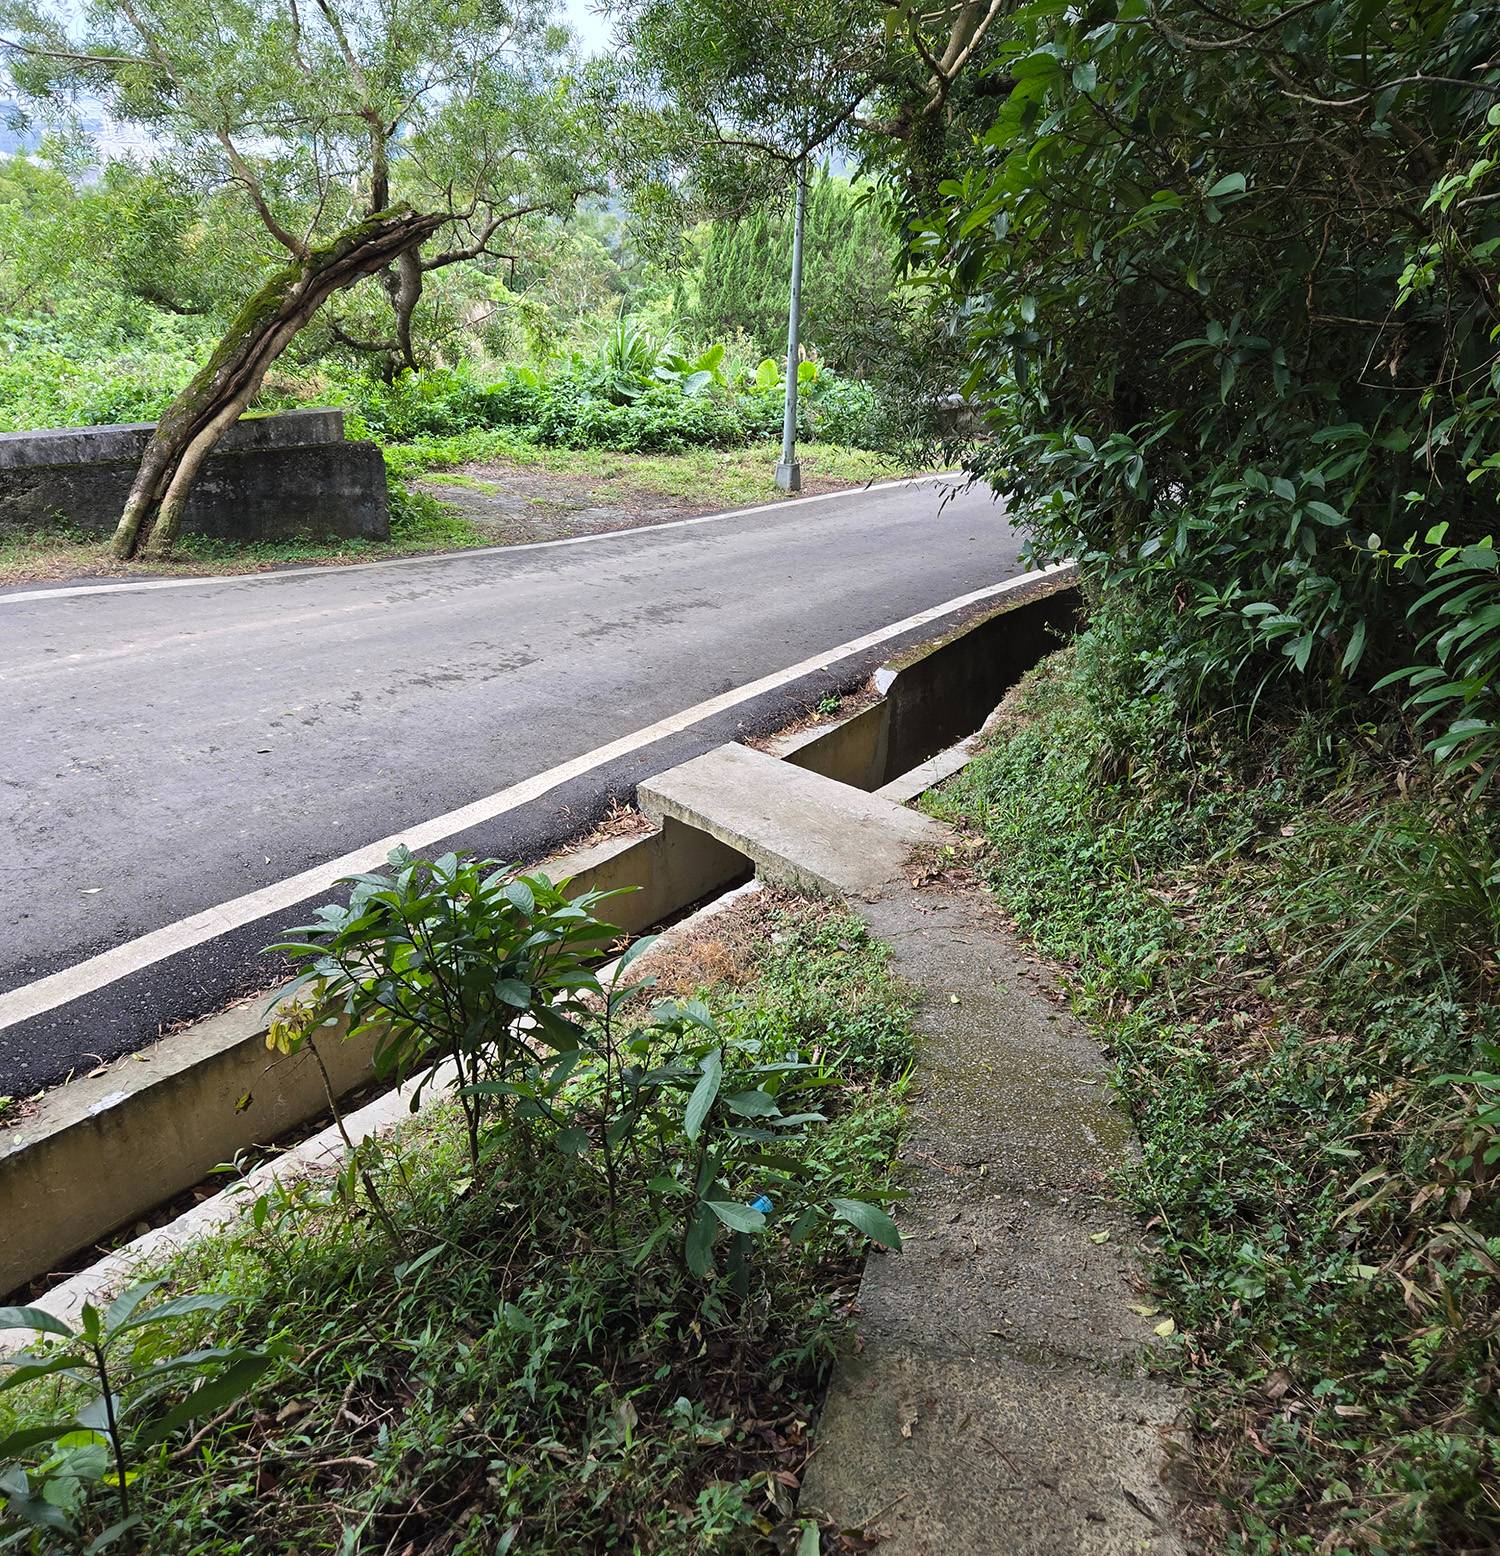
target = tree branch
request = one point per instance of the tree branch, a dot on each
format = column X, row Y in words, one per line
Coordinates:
column 32, row 51
column 380, row 172
column 251, row 185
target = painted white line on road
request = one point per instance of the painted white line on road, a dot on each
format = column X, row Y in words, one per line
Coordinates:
column 785, row 505
column 34, row 999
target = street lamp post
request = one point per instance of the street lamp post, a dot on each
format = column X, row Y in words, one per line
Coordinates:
column 789, row 471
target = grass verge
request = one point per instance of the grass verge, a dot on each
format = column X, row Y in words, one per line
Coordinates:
column 513, row 1381
column 710, row 477
column 1291, row 956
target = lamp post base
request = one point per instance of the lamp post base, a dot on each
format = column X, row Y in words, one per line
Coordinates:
column 789, row 476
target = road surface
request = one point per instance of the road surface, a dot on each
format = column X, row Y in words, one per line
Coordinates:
column 170, row 748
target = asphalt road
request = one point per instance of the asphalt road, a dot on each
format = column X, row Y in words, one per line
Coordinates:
column 166, row 750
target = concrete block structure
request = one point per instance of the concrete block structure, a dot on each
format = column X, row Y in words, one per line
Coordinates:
column 271, row 478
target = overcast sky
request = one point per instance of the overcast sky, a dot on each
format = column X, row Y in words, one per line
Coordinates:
column 592, row 29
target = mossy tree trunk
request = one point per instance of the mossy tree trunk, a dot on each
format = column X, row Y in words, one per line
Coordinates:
column 222, row 389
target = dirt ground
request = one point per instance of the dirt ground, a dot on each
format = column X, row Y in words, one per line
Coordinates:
column 512, row 504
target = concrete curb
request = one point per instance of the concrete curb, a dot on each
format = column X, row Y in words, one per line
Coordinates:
column 102, row 1151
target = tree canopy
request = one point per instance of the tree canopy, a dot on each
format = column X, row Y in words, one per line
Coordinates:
column 1224, row 281
column 363, row 138
column 742, row 281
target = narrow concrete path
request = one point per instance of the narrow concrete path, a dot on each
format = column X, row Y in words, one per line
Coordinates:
column 996, row 1401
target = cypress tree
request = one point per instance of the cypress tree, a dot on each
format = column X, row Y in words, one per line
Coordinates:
column 847, row 269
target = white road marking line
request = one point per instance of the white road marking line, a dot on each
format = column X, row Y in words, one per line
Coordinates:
column 34, row 999
column 786, row 505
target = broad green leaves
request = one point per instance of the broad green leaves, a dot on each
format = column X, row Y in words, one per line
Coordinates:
column 131, row 1410
column 869, row 1219
column 704, row 1094
column 463, row 960
column 1209, row 368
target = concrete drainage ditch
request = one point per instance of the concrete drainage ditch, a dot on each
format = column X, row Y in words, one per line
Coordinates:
column 101, row 1152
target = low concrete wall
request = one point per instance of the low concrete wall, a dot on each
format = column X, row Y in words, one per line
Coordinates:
column 855, row 750
column 272, row 477
column 102, row 1151
column 128, row 440
column 663, row 871
column 943, row 691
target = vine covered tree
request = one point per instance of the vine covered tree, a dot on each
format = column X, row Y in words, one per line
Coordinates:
column 385, row 138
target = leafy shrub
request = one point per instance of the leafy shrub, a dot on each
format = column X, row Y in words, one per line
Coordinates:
column 1173, row 319
column 114, row 1356
column 843, row 410
column 443, row 402
column 485, row 969
column 447, row 1386
column 660, row 419
column 1454, row 692
column 468, row 962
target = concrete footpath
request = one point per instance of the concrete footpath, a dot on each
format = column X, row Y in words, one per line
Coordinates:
column 996, row 1397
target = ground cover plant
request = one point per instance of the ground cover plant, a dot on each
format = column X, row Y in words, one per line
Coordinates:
column 1287, row 939
column 697, row 477
column 486, row 1341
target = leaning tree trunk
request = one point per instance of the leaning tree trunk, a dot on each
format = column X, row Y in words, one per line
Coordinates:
column 222, row 389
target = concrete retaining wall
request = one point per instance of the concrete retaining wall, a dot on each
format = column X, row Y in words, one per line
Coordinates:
column 855, row 750
column 943, row 691
column 101, row 1152
column 272, row 477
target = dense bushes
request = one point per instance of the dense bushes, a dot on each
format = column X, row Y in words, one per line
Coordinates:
column 658, row 420
column 98, row 358
column 1224, row 274
column 645, row 408
column 81, row 370
column 596, row 1288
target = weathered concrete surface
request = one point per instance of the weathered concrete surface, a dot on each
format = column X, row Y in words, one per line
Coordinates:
column 926, row 775
column 947, row 687
column 800, row 828
column 128, row 440
column 274, row 477
column 852, row 749
column 997, row 1401
column 999, row 1387
column 99, row 1152
column 658, row 873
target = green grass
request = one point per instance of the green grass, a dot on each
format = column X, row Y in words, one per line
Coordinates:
column 703, row 476
column 1290, row 969
column 512, row 1382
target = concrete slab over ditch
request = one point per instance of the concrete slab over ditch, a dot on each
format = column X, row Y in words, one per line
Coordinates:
column 800, row 828
column 997, row 1398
